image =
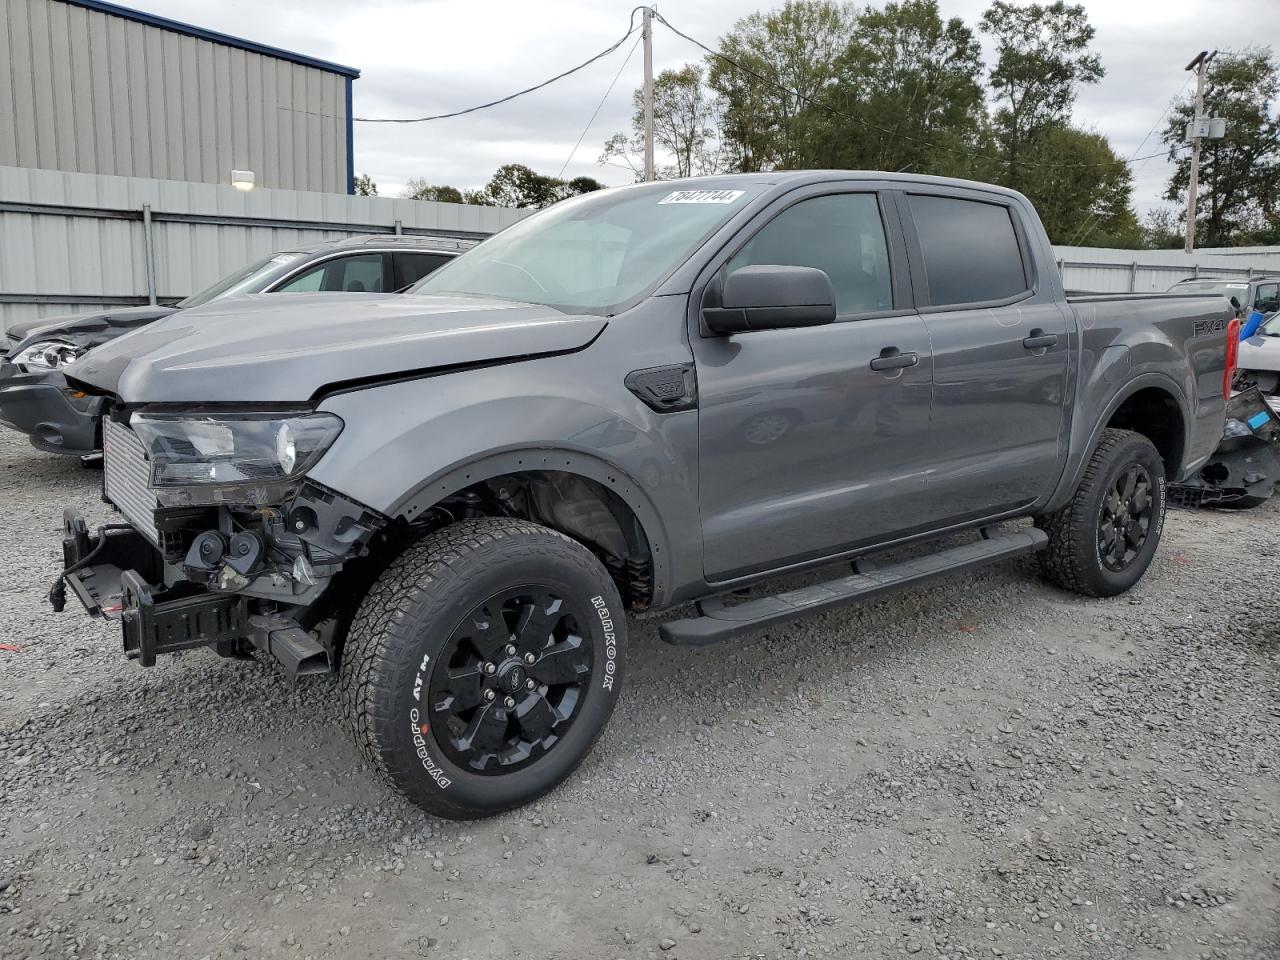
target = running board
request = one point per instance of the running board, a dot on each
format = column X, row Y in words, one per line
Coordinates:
column 719, row 621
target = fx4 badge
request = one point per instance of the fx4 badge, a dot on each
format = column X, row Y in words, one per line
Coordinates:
column 1204, row 327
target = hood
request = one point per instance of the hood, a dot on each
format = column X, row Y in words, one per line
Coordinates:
column 89, row 329
column 1259, row 352
column 286, row 348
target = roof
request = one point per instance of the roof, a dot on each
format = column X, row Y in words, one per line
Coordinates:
column 200, row 33
column 389, row 241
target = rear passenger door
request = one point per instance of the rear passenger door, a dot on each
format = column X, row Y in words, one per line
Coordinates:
column 1000, row 354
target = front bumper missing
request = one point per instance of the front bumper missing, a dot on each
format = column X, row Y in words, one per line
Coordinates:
column 112, row 574
column 115, row 585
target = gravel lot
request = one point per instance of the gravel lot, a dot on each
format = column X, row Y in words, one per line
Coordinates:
column 984, row 768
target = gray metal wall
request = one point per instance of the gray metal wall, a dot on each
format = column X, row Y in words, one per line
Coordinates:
column 1154, row 271
column 68, row 238
column 87, row 91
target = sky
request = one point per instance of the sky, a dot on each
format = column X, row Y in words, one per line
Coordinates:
column 420, row 57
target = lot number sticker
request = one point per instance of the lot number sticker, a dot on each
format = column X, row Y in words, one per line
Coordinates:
column 702, row 196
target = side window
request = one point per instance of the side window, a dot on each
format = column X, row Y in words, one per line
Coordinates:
column 841, row 234
column 970, row 248
column 1268, row 297
column 357, row 274
column 308, row 281
column 412, row 267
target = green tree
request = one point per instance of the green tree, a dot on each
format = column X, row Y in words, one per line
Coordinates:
column 418, row 189
column 789, row 56
column 906, row 94
column 1081, row 189
column 515, row 185
column 1162, row 229
column 1238, row 201
column 365, row 187
column 1042, row 56
column 686, row 124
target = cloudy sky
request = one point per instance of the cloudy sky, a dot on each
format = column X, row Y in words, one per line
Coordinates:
column 420, row 57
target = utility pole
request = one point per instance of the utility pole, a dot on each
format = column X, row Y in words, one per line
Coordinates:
column 1198, row 65
column 647, row 34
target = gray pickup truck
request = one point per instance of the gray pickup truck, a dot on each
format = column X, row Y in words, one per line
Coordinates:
column 635, row 399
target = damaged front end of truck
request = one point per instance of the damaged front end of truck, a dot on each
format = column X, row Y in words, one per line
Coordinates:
column 227, row 544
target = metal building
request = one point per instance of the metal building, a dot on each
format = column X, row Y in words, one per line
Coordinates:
column 92, row 87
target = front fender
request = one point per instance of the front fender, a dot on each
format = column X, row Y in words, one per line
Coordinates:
column 407, row 445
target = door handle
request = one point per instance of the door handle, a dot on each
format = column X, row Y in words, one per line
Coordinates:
column 1039, row 340
column 891, row 358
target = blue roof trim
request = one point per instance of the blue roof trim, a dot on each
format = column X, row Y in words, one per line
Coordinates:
column 150, row 19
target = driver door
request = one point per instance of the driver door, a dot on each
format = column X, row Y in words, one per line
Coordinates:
column 805, row 448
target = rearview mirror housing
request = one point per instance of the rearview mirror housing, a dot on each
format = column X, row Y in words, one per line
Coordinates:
column 771, row 297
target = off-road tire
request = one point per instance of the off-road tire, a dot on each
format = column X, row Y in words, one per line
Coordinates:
column 411, row 611
column 1072, row 559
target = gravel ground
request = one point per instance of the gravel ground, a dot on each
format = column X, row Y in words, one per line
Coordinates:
column 987, row 767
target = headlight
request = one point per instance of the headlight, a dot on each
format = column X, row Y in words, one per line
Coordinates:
column 242, row 458
column 49, row 354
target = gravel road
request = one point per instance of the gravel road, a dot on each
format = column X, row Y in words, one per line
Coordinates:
column 987, row 767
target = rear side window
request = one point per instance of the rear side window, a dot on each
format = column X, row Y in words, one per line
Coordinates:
column 842, row 235
column 971, row 252
column 412, row 267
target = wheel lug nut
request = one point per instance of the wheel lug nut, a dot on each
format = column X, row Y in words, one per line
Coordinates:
column 509, row 702
column 511, row 649
column 529, row 658
column 490, row 668
column 529, row 684
column 489, row 695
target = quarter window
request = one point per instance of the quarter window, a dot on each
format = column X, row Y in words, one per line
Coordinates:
column 970, row 248
column 842, row 235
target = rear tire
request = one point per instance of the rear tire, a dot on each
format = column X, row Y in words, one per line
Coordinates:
column 482, row 666
column 1102, row 542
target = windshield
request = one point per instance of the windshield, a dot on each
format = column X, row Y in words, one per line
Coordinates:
column 250, row 279
column 593, row 253
column 1224, row 287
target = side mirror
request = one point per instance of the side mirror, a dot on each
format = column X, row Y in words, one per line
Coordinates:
column 767, row 297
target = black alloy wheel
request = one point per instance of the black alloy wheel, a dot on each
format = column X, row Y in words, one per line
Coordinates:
column 1125, row 519
column 509, row 681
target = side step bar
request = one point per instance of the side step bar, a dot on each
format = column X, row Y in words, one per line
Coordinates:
column 719, row 621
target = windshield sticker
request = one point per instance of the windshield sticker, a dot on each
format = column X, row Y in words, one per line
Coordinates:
column 702, row 196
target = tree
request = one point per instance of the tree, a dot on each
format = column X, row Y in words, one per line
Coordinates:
column 1042, row 56
column 515, row 185
column 785, row 59
column 1162, row 229
column 1238, row 201
column 365, row 187
column 906, row 95
column 686, row 121
column 1081, row 189
column 418, row 189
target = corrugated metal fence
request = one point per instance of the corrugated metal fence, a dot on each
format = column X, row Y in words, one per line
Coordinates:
column 72, row 241
column 1152, row 271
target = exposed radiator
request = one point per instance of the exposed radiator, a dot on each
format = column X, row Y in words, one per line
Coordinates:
column 127, row 476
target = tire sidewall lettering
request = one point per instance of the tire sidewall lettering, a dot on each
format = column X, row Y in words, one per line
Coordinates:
column 610, row 641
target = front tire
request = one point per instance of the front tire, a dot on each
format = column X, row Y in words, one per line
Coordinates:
column 482, row 666
column 1102, row 542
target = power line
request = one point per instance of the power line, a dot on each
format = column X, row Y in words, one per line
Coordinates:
column 867, row 123
column 596, row 112
column 631, row 28
column 1093, row 222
